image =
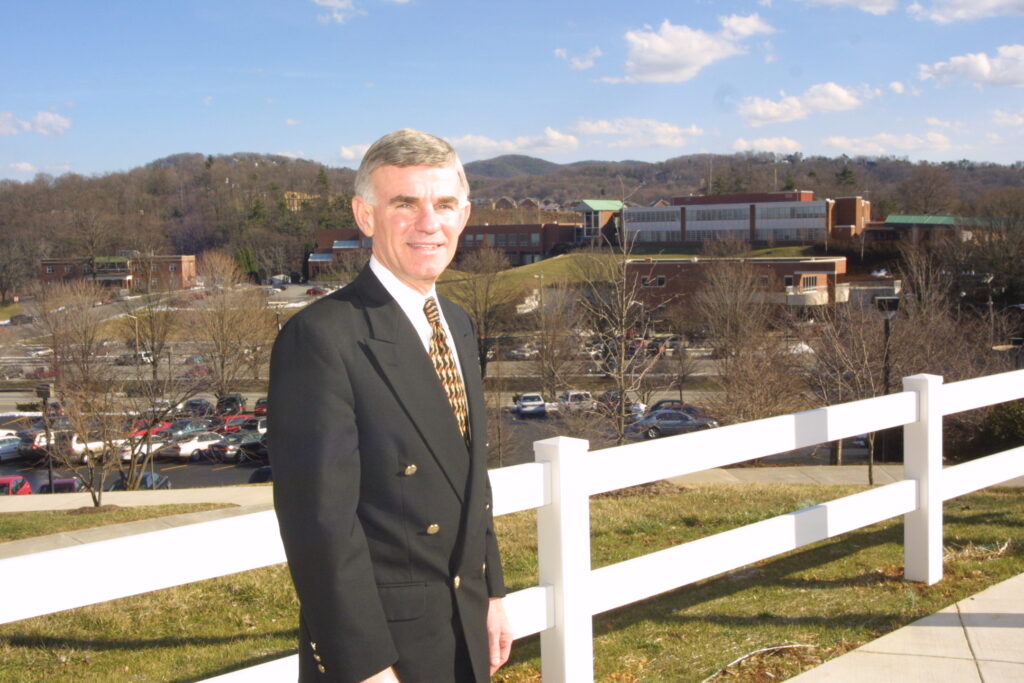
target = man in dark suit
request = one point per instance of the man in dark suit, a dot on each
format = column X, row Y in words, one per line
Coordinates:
column 380, row 478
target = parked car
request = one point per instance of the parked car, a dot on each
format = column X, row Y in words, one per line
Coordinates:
column 21, row 319
column 191, row 446
column 530, row 405
column 667, row 423
column 139, row 429
column 316, row 291
column 149, row 481
column 195, row 360
column 140, row 358
column 41, row 372
column 261, row 407
column 197, row 407
column 261, row 475
column 64, row 485
column 228, row 448
column 255, row 424
column 233, row 423
column 231, row 404
column 576, row 400
column 197, row 371
column 138, row 447
column 676, row 404
column 15, row 485
column 254, row 450
column 182, row 427
column 10, row 447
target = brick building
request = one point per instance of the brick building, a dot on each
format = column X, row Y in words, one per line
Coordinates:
column 798, row 282
column 133, row 272
column 758, row 218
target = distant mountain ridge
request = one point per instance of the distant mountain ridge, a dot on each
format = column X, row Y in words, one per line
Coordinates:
column 511, row 166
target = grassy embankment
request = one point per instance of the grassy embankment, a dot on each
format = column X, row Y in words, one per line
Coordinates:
column 815, row 603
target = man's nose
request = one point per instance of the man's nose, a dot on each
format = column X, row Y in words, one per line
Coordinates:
column 429, row 220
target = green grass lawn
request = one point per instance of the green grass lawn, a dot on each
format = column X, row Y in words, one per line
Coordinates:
column 10, row 309
column 824, row 599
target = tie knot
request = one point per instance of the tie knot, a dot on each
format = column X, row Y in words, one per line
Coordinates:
column 430, row 308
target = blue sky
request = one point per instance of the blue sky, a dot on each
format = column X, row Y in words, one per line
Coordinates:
column 95, row 87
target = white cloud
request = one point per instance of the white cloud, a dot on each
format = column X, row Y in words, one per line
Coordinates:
column 994, row 138
column 338, row 11
column 44, row 123
column 939, row 123
column 48, row 123
column 633, row 132
column 948, row 11
column 779, row 145
column 582, row 63
column 353, row 152
column 885, row 143
column 291, row 122
column 10, row 124
column 1006, row 118
column 479, row 146
column 1005, row 69
column 897, row 87
column 822, row 97
column 674, row 54
column 208, row 100
column 877, row 7
column 22, row 167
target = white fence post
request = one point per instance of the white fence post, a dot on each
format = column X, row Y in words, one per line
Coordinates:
column 922, row 461
column 563, row 559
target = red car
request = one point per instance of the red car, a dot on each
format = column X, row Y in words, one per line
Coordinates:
column 139, row 428
column 14, row 485
column 233, row 423
column 316, row 291
column 41, row 373
column 261, row 407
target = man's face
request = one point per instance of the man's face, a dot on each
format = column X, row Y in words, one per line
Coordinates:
column 420, row 212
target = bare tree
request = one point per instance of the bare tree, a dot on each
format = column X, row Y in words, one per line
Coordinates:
column 486, row 294
column 561, row 333
column 757, row 371
column 233, row 321
column 84, row 384
column 611, row 306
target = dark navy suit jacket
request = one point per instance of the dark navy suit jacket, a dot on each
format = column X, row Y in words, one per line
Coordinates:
column 384, row 511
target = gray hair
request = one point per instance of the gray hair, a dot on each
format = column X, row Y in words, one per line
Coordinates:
column 406, row 147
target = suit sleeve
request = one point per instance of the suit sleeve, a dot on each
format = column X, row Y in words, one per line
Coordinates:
column 314, row 450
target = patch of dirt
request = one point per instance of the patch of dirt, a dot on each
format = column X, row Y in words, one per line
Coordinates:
column 94, row 509
column 655, row 488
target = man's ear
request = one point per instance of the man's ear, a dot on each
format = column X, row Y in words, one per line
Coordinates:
column 363, row 213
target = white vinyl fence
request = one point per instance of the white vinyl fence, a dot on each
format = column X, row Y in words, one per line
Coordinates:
column 559, row 485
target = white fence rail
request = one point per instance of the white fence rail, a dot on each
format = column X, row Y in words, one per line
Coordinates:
column 559, row 486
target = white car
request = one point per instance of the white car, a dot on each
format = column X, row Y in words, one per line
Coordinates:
column 530, row 404
column 189, row 446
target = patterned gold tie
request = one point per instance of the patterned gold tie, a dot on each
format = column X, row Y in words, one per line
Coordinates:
column 444, row 363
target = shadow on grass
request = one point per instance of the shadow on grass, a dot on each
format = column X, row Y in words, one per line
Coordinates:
column 104, row 645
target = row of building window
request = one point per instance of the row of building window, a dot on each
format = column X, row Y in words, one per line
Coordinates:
column 790, row 235
column 103, row 268
column 656, row 236
column 805, row 210
column 502, row 239
column 738, row 214
column 661, row 216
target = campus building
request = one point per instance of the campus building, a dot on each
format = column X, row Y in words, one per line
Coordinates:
column 133, row 272
column 795, row 282
column 758, row 218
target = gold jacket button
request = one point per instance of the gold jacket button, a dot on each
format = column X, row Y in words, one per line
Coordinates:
column 316, row 657
column 312, row 646
column 433, row 529
column 410, row 470
column 483, row 568
column 487, row 506
column 457, row 581
column 321, row 668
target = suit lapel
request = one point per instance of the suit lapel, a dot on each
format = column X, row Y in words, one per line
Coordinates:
column 406, row 368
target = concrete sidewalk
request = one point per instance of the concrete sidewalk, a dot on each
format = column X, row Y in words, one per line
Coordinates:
column 978, row 639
